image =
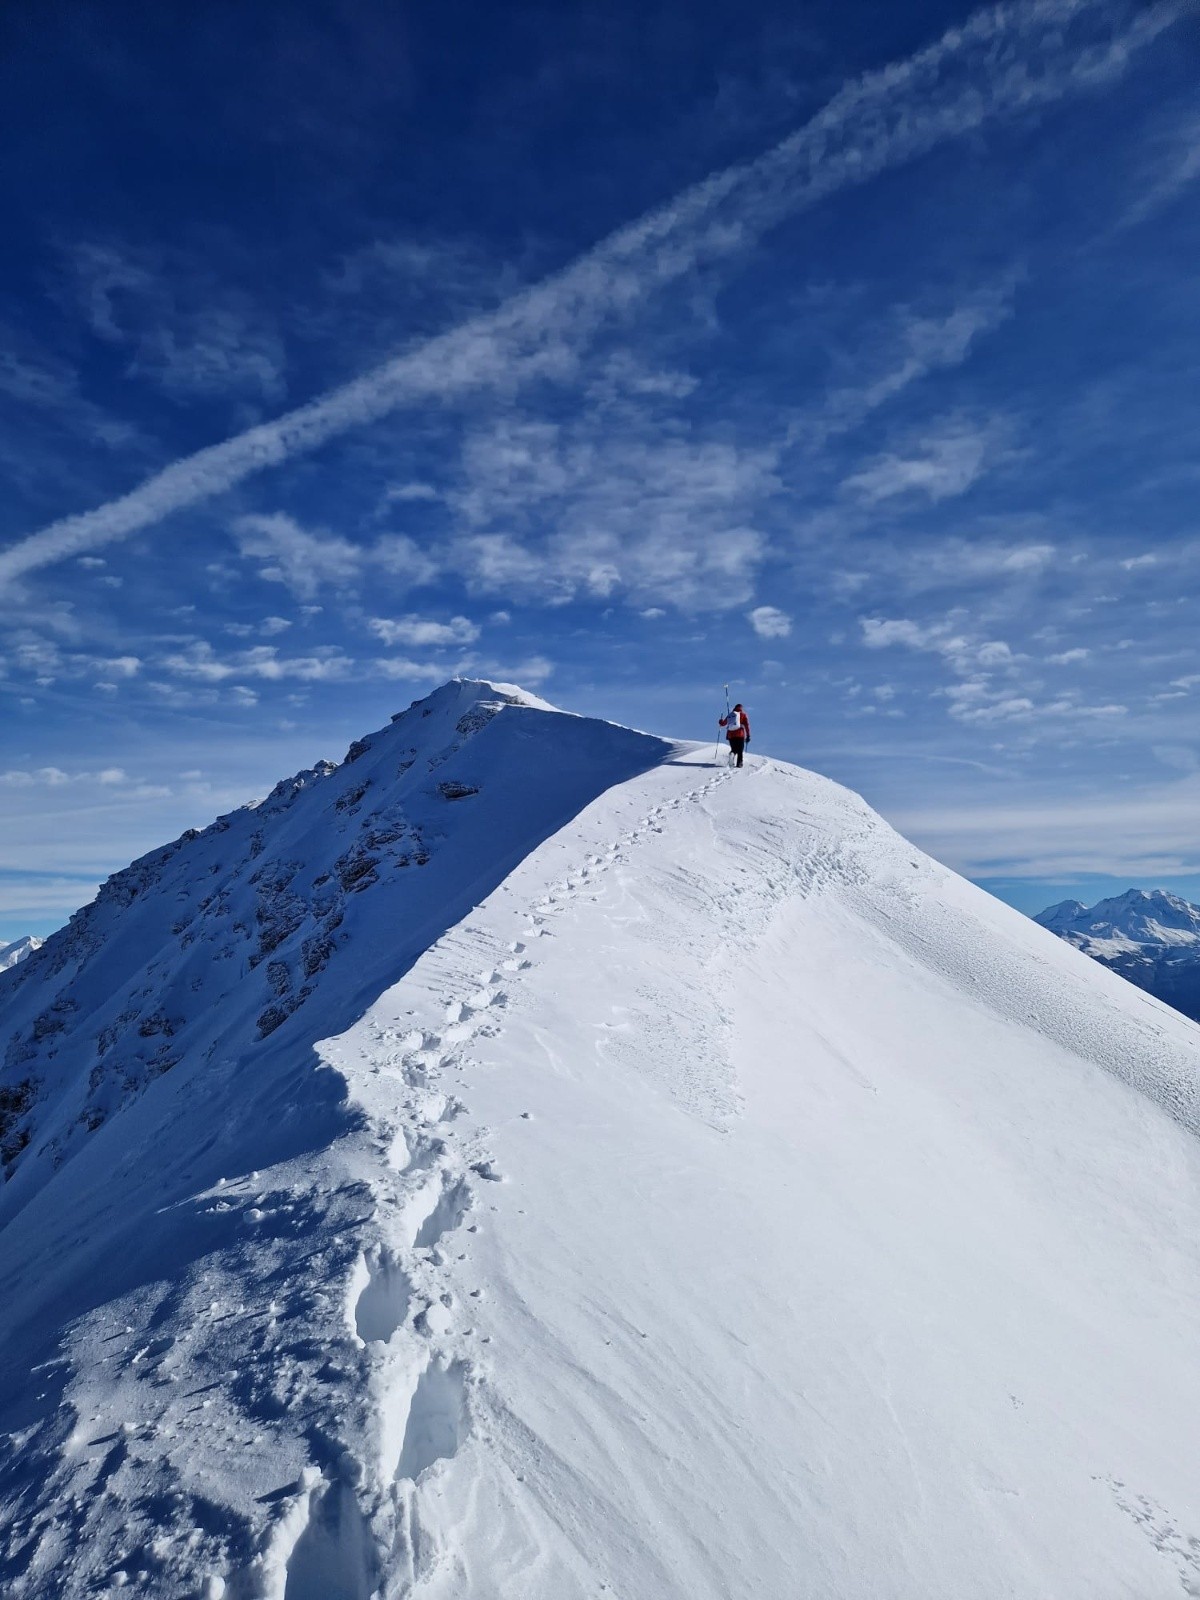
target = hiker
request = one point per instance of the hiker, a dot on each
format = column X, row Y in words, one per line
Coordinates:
column 737, row 730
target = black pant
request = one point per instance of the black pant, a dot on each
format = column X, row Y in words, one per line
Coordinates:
column 737, row 746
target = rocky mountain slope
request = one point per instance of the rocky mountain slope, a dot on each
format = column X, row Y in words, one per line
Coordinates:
column 1150, row 937
column 635, row 1178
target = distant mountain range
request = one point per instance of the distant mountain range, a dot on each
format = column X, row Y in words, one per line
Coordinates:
column 10, row 954
column 1148, row 936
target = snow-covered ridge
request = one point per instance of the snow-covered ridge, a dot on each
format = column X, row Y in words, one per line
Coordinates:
column 199, row 951
column 677, row 1185
column 18, row 950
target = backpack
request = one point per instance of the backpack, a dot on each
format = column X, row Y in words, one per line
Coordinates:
column 734, row 723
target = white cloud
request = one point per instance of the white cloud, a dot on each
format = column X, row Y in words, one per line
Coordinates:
column 118, row 666
column 878, row 633
column 999, row 560
column 769, row 622
column 1002, row 61
column 938, row 468
column 964, row 654
column 423, row 631
column 1012, row 708
column 1005, row 709
column 56, row 778
column 18, row 778
column 402, row 670
column 994, row 653
column 985, row 691
column 1067, row 658
column 201, row 662
column 658, row 518
column 303, row 561
column 310, row 561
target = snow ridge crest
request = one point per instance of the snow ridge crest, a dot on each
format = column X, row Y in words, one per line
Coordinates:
column 204, row 949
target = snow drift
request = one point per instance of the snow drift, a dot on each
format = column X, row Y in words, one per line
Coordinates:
column 527, row 1160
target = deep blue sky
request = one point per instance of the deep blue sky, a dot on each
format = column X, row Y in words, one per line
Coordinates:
column 845, row 352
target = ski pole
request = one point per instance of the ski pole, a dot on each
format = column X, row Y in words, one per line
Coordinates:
column 717, row 746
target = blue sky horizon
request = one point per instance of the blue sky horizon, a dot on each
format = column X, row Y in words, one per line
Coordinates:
column 619, row 351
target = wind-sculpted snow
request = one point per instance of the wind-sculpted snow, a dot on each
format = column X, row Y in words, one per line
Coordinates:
column 714, row 1198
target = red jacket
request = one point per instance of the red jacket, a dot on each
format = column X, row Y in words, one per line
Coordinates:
column 742, row 732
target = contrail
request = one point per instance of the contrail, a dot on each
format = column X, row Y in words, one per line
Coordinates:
column 1002, row 61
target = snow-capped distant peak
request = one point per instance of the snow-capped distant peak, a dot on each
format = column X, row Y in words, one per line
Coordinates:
column 1149, row 936
column 1137, row 918
column 1060, row 916
column 10, row 954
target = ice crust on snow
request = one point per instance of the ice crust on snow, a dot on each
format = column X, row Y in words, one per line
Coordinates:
column 525, row 1160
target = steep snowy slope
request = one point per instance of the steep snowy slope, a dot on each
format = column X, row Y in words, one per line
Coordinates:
column 716, row 1197
column 290, row 914
column 1152, row 938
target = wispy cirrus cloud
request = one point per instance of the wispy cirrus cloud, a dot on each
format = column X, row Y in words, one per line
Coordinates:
column 43, row 388
column 110, row 779
column 1141, row 833
column 915, row 345
column 630, row 508
column 178, row 327
column 1174, row 167
column 1001, row 62
column 935, row 467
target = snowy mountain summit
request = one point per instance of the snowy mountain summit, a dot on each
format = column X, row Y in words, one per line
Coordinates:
column 1150, row 937
column 18, row 950
column 530, row 1160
